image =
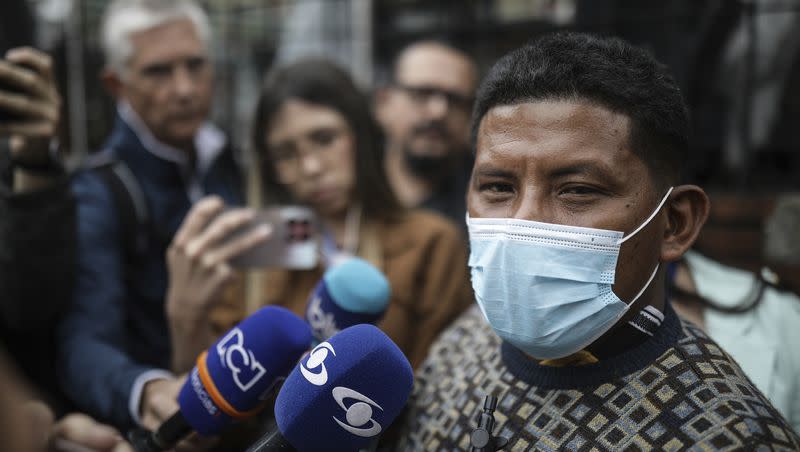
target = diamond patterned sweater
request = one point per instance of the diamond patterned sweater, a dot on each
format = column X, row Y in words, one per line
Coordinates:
column 677, row 390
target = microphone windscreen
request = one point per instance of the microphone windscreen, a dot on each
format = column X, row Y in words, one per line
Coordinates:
column 350, row 293
column 236, row 374
column 345, row 392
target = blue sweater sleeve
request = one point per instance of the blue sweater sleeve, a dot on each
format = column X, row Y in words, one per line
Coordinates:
column 96, row 370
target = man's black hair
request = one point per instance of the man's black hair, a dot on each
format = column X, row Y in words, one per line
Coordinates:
column 607, row 72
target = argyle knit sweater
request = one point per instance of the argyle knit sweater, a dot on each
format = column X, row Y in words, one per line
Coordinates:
column 677, row 390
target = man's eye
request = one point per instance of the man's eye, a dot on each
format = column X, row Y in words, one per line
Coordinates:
column 580, row 190
column 196, row 64
column 496, row 187
column 158, row 70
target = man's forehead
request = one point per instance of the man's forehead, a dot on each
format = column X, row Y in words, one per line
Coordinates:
column 181, row 35
column 436, row 65
column 555, row 129
column 569, row 118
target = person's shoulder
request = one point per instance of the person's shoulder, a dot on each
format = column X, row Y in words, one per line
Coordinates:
column 93, row 195
column 425, row 223
column 779, row 315
column 715, row 383
column 415, row 230
column 712, row 276
column 469, row 331
column 87, row 184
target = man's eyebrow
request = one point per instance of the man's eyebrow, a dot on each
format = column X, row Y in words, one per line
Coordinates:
column 588, row 169
column 484, row 171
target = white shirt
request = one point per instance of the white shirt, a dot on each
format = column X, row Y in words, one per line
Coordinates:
column 209, row 142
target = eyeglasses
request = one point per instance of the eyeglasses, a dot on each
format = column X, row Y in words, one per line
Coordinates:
column 423, row 94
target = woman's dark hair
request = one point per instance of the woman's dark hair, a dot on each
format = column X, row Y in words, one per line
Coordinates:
column 321, row 82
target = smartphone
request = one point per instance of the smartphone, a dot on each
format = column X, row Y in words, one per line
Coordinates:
column 294, row 243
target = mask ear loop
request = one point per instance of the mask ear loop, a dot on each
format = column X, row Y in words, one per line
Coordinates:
column 647, row 284
column 648, row 220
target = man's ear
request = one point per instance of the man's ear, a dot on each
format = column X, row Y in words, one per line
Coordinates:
column 112, row 82
column 687, row 211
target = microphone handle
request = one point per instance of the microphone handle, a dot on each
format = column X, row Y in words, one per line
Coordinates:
column 172, row 431
column 168, row 434
column 272, row 442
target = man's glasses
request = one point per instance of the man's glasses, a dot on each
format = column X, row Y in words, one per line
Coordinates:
column 423, row 94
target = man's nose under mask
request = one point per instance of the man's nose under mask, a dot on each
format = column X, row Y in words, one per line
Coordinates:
column 546, row 288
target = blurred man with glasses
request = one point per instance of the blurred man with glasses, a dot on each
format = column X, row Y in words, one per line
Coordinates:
column 425, row 112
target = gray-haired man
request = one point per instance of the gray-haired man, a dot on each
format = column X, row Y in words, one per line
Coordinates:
column 115, row 343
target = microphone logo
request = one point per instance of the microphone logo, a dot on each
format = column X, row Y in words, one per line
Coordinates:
column 358, row 414
column 317, row 359
column 322, row 323
column 231, row 351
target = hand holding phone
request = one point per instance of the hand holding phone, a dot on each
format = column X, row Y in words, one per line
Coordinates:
column 29, row 104
column 199, row 272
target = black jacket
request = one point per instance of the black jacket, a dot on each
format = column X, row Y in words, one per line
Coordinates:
column 37, row 274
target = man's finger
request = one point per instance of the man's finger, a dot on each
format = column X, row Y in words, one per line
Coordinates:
column 42, row 129
column 38, row 60
column 123, row 447
column 81, row 429
column 27, row 80
column 28, row 107
column 197, row 219
column 40, row 420
column 163, row 406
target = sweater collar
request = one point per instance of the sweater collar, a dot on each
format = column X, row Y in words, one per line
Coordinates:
column 573, row 377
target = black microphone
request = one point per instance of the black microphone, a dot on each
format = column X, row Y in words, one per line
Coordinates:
column 481, row 439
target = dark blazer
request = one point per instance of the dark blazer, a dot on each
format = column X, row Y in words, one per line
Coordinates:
column 117, row 329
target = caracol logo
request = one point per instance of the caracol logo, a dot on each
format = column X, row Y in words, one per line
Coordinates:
column 316, row 359
column 242, row 363
column 323, row 324
column 358, row 414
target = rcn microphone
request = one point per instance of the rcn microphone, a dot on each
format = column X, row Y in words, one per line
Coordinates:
column 233, row 378
column 342, row 395
column 348, row 294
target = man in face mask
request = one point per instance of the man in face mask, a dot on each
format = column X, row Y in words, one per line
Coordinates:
column 425, row 112
column 574, row 207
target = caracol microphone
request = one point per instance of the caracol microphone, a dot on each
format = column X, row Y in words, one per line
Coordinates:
column 347, row 391
column 233, row 378
column 348, row 294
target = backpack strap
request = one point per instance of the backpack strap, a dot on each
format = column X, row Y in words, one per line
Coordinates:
column 129, row 201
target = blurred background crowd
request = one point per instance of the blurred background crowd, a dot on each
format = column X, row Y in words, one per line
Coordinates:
column 737, row 63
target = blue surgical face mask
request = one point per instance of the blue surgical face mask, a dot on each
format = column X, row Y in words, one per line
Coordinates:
column 546, row 288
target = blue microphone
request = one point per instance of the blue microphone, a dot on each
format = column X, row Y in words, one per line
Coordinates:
column 341, row 396
column 348, row 294
column 235, row 376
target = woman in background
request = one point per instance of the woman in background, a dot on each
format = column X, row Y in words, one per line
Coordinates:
column 317, row 145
